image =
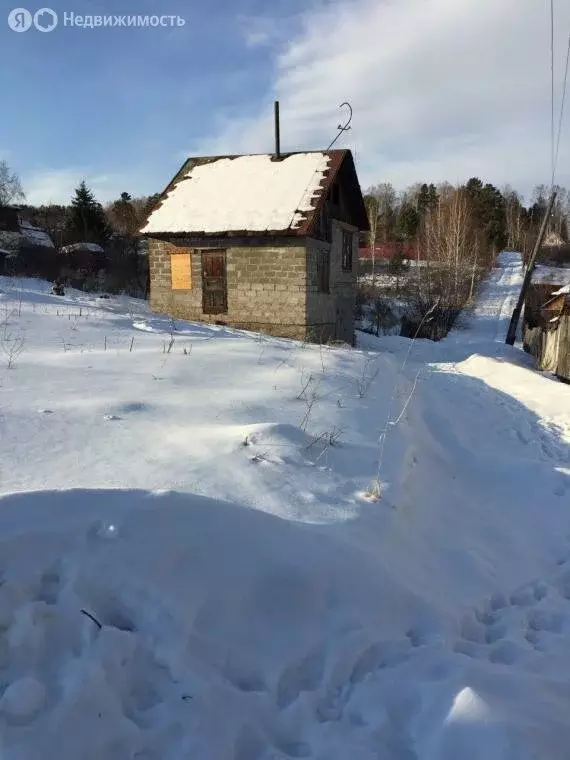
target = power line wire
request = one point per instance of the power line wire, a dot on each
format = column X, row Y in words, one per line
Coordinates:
column 561, row 119
column 552, row 149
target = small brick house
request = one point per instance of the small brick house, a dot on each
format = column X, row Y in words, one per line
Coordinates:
column 260, row 242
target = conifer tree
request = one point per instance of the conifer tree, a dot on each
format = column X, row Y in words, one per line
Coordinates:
column 87, row 220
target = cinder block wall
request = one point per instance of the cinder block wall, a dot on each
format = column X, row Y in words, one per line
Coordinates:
column 266, row 288
column 330, row 316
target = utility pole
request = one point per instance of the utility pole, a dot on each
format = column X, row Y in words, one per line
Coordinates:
column 277, row 131
column 512, row 333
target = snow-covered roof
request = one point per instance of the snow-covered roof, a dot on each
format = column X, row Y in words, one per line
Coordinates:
column 551, row 275
column 35, row 235
column 89, row 247
column 253, row 193
column 562, row 291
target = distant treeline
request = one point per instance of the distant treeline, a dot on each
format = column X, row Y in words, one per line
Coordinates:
column 114, row 227
column 457, row 231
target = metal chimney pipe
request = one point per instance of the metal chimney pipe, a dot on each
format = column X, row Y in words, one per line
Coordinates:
column 277, row 135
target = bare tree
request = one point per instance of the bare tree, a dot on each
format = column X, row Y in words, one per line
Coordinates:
column 452, row 246
column 559, row 219
column 412, row 194
column 387, row 204
column 445, row 191
column 372, row 209
column 540, row 195
column 514, row 218
column 10, row 186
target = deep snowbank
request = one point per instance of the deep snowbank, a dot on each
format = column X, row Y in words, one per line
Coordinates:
column 227, row 632
column 203, row 604
column 253, row 602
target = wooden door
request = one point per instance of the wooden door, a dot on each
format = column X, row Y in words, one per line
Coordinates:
column 214, row 282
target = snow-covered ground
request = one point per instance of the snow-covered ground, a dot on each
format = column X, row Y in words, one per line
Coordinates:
column 551, row 275
column 191, row 567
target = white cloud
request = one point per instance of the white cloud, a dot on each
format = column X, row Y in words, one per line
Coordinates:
column 58, row 185
column 269, row 30
column 441, row 89
column 258, row 31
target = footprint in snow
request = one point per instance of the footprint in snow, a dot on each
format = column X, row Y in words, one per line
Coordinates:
column 523, row 597
column 495, row 633
column 469, row 649
column 542, row 620
column 45, row 411
column 134, row 406
column 534, row 639
column 50, row 584
column 111, row 417
column 473, row 631
column 506, row 653
column 498, row 601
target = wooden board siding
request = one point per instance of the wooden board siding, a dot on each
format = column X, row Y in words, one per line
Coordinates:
column 548, row 356
column 563, row 368
column 536, row 296
column 181, row 270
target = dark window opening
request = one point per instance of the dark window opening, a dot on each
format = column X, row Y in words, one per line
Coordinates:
column 323, row 271
column 347, row 251
column 324, row 226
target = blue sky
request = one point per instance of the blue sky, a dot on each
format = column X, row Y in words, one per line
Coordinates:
column 121, row 107
column 130, row 100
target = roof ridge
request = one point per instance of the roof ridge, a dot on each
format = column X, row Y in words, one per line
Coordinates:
column 282, row 155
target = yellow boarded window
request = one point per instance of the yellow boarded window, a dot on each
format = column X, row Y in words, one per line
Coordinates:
column 181, row 270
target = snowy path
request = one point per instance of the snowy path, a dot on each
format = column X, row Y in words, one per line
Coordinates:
column 503, row 432
column 497, row 299
column 253, row 603
column 506, row 369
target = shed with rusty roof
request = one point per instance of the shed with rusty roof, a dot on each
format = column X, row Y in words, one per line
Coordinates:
column 547, row 328
column 261, row 242
column 554, row 348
